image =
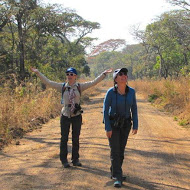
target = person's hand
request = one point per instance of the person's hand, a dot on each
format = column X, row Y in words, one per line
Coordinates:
column 108, row 71
column 134, row 131
column 34, row 69
column 109, row 134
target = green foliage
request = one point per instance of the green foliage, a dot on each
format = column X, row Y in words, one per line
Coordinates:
column 170, row 90
column 53, row 38
column 152, row 97
column 86, row 70
column 183, row 122
column 175, row 118
column 167, row 44
column 50, row 38
column 185, row 71
column 158, row 61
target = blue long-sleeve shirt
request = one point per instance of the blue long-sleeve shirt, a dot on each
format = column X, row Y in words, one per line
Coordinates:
column 109, row 107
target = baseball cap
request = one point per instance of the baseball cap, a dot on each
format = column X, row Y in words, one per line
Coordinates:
column 125, row 70
column 71, row 70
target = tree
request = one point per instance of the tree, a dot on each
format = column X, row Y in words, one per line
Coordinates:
column 136, row 59
column 49, row 37
column 71, row 30
column 18, row 13
column 167, row 39
column 181, row 3
column 109, row 45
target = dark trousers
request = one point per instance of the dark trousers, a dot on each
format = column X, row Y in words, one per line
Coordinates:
column 65, row 128
column 117, row 144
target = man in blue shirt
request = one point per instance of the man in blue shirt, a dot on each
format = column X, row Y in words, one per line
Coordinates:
column 120, row 113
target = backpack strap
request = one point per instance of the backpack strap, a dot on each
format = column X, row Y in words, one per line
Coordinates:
column 78, row 87
column 64, row 88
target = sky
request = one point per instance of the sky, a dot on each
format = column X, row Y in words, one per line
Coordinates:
column 116, row 17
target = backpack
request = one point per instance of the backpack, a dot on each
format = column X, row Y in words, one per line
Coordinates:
column 64, row 88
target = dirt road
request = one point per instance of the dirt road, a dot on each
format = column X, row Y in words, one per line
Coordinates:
column 157, row 158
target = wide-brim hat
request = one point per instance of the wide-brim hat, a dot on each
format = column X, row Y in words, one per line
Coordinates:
column 71, row 70
column 124, row 70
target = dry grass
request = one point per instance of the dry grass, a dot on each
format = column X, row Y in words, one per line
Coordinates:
column 170, row 95
column 26, row 108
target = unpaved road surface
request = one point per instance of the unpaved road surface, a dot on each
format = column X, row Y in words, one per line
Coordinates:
column 158, row 157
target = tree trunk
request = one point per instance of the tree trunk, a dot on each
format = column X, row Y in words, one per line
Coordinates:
column 13, row 46
column 161, row 63
column 185, row 58
column 21, row 48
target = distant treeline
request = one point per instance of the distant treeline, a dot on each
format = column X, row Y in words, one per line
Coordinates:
column 163, row 51
column 53, row 38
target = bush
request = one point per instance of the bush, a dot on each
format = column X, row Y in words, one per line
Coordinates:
column 171, row 95
column 152, row 97
column 25, row 108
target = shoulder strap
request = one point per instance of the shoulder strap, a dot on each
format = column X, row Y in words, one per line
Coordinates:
column 127, row 89
column 78, row 87
column 64, row 88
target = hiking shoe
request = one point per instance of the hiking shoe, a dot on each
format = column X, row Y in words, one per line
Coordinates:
column 117, row 184
column 77, row 164
column 66, row 165
column 123, row 178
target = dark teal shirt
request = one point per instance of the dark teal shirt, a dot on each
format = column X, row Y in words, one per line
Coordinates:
column 126, row 106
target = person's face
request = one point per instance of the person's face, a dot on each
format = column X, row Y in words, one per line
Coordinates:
column 121, row 77
column 71, row 77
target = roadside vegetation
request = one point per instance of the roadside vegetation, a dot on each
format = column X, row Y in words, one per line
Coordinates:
column 53, row 38
column 172, row 96
column 27, row 108
column 24, row 109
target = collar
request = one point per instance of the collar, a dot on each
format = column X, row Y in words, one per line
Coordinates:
column 126, row 89
column 75, row 84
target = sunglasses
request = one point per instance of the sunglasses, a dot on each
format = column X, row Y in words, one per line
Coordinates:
column 121, row 74
column 70, row 74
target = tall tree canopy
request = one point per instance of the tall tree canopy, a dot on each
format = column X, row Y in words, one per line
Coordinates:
column 109, row 45
column 185, row 4
column 164, row 49
column 50, row 37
